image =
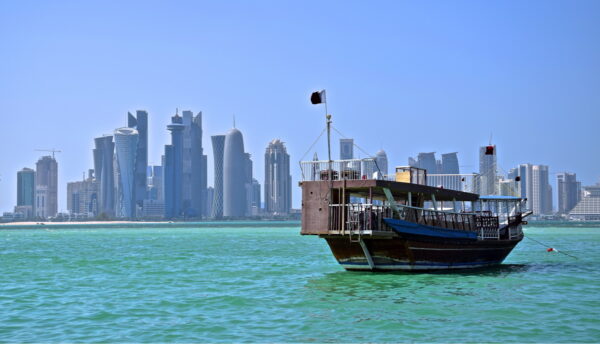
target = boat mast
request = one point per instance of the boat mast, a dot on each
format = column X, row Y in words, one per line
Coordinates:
column 329, row 161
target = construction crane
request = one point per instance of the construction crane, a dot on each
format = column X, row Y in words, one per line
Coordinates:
column 49, row 150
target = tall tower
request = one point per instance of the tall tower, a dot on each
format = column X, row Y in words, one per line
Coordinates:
column 234, row 175
column 450, row 163
column 103, row 170
column 26, row 190
column 487, row 170
column 382, row 161
column 278, row 181
column 218, row 143
column 46, row 187
column 173, row 169
column 194, row 166
column 541, row 195
column 568, row 191
column 126, row 145
column 140, row 179
column 428, row 162
column 346, row 149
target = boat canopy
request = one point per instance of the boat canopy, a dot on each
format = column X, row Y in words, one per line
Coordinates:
column 375, row 188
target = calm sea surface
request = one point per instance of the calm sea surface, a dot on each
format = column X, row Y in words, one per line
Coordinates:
column 269, row 284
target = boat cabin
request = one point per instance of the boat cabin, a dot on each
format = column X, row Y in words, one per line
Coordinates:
column 347, row 197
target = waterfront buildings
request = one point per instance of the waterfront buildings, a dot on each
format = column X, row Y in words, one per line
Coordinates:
column 210, row 194
column 278, row 181
column 126, row 146
column 153, row 209
column 234, row 175
column 488, row 172
column 346, row 149
column 449, row 163
column 139, row 122
column 173, row 169
column 104, row 173
column 255, row 202
column 82, row 196
column 155, row 184
column 248, row 185
column 426, row 161
column 382, row 162
column 541, row 198
column 46, row 187
column 26, row 192
column 437, row 170
column 569, row 191
column 218, row 143
column 194, row 166
column 588, row 209
column 535, row 187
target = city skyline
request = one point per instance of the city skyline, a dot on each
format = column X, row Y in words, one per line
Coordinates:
column 430, row 158
column 70, row 77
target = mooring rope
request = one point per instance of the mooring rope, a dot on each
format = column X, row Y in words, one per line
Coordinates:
column 550, row 249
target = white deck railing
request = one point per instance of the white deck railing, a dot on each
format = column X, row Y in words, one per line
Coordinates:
column 341, row 169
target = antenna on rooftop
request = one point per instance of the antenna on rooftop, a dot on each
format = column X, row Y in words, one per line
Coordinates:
column 49, row 150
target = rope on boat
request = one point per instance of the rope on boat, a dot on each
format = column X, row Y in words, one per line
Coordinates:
column 314, row 143
column 551, row 249
column 359, row 148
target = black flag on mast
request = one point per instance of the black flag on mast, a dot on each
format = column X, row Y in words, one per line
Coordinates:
column 318, row 97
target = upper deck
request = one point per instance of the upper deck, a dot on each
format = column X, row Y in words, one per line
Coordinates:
column 326, row 185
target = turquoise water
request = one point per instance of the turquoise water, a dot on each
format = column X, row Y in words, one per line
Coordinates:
column 269, row 284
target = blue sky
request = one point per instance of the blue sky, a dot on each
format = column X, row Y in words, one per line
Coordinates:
column 403, row 76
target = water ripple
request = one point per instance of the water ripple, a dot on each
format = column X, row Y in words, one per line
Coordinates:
column 272, row 285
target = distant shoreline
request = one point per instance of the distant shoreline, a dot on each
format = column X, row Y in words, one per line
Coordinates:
column 223, row 224
column 149, row 224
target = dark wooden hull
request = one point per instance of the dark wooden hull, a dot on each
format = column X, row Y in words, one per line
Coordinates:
column 418, row 252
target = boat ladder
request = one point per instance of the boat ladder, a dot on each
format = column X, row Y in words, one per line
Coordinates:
column 353, row 227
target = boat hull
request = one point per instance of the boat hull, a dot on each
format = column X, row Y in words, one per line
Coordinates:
column 418, row 253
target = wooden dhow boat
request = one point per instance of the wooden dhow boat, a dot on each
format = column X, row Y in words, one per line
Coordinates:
column 403, row 222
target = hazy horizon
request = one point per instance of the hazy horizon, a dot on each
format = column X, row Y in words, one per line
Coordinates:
column 403, row 77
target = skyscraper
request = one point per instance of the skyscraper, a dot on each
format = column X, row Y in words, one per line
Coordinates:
column 248, row 178
column 234, row 175
column 426, row 161
column 541, row 191
column 104, row 172
column 82, row 196
column 194, row 166
column 488, row 170
column 156, row 184
column 450, row 163
column 569, row 191
column 255, row 205
column 382, row 161
column 126, row 146
column 173, row 169
column 210, row 195
column 26, row 190
column 46, row 187
column 346, row 149
column 218, row 143
column 525, row 173
column 278, row 181
column 588, row 208
column 140, row 179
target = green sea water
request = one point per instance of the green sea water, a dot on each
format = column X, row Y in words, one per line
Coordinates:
column 261, row 283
